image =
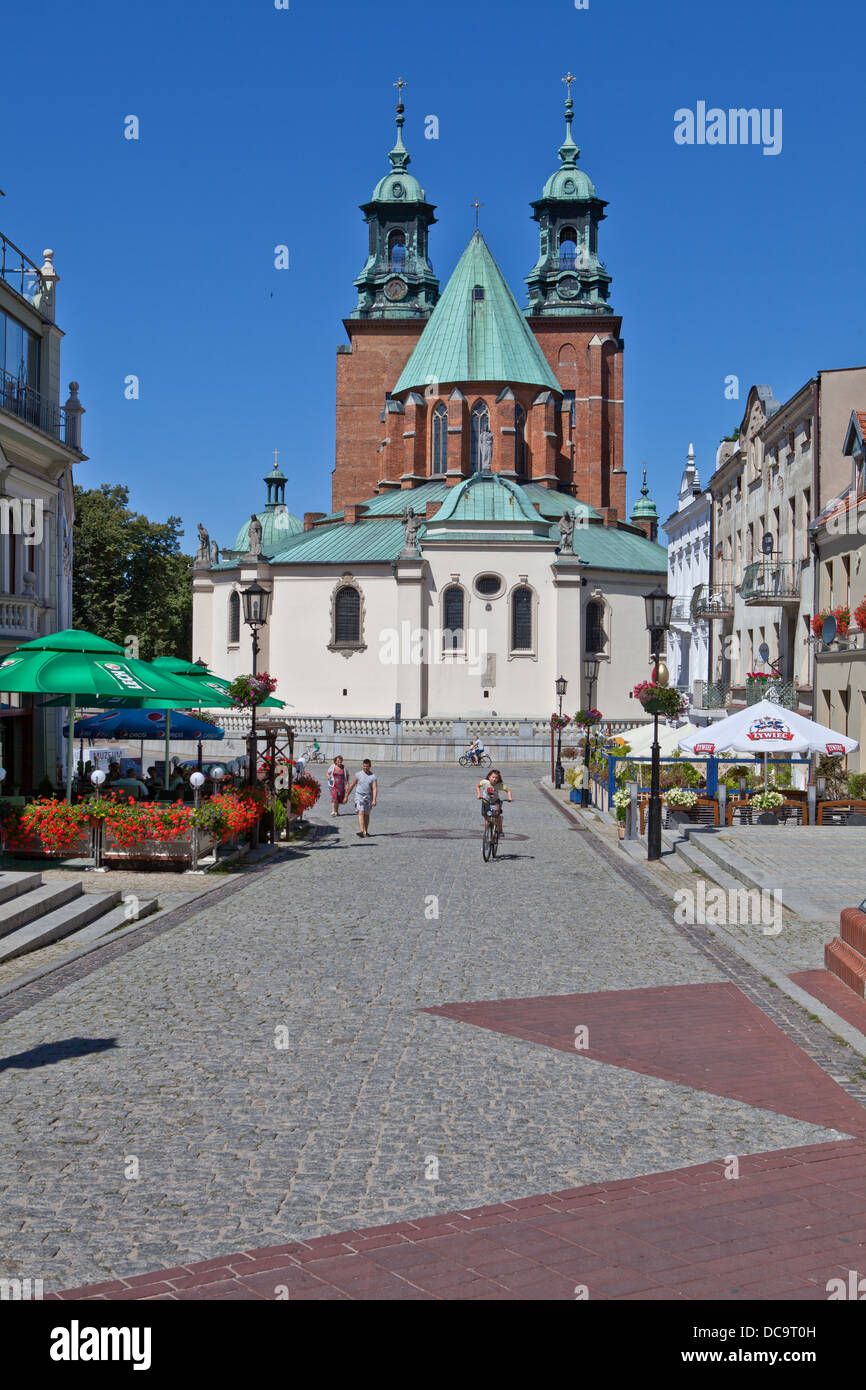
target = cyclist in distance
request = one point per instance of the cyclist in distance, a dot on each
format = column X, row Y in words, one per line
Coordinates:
column 489, row 792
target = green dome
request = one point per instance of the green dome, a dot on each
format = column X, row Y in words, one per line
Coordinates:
column 277, row 523
column 570, row 184
column 645, row 506
column 398, row 185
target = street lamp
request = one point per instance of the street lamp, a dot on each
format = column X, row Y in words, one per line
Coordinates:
column 659, row 606
column 257, row 602
column 590, row 674
column 559, row 772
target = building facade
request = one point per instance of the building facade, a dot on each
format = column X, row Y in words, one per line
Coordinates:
column 766, row 491
column 478, row 546
column 40, row 442
column 688, row 533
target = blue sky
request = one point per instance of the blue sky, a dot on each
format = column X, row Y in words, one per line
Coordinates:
column 261, row 126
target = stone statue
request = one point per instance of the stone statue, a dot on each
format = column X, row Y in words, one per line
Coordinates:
column 410, row 531
column 255, row 535
column 203, row 544
column 485, row 450
column 214, row 553
column 566, row 533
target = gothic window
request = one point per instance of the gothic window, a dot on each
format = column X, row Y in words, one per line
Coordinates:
column 480, row 424
column 595, row 639
column 440, row 438
column 452, row 618
column 519, row 439
column 521, row 620
column 567, row 249
column 397, row 250
column 234, row 617
column 347, row 615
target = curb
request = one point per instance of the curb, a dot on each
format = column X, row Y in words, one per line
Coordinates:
column 839, row 1027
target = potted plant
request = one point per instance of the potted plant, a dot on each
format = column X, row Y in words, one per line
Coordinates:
column 247, row 691
column 860, row 615
column 842, row 614
column 621, row 803
column 660, row 699
column 767, row 801
column 681, row 798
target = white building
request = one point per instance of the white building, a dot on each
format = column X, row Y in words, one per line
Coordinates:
column 688, row 533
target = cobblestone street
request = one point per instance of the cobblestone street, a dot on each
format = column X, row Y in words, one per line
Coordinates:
column 268, row 1072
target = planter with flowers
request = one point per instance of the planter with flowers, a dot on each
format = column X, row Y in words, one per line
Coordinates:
column 47, row 828
column 559, row 721
column 305, row 793
column 842, row 614
column 621, row 803
column 660, row 699
column 860, row 615
column 766, row 801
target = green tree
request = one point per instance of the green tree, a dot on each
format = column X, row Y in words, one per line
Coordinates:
column 130, row 575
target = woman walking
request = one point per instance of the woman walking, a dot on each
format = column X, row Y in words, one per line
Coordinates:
column 337, row 784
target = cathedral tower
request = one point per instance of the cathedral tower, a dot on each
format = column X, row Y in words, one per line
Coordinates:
column 397, row 290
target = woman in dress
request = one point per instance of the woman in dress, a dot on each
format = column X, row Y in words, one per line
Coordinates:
column 337, row 784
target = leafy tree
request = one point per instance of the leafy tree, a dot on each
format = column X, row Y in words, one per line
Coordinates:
column 130, row 575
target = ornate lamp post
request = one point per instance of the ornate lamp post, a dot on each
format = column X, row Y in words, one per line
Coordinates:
column 559, row 772
column 257, row 602
column 659, row 606
column 590, row 674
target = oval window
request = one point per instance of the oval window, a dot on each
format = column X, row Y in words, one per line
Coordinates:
column 488, row 585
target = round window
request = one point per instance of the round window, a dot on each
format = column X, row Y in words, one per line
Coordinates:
column 488, row 585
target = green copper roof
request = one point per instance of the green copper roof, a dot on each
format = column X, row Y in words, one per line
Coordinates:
column 278, row 524
column 487, row 497
column 645, row 506
column 607, row 548
column 363, row 542
column 474, row 336
column 568, row 182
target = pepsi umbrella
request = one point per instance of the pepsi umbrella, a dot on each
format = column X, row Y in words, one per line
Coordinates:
column 147, row 723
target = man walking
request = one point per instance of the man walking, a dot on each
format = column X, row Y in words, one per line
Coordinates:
column 366, row 789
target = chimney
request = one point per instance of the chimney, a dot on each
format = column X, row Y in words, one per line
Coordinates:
column 310, row 519
column 353, row 513
column 431, row 509
column 609, row 515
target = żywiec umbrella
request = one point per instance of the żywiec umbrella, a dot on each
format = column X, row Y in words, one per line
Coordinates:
column 73, row 663
column 768, row 728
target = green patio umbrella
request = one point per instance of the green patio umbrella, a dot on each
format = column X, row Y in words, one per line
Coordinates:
column 214, row 690
column 74, row 663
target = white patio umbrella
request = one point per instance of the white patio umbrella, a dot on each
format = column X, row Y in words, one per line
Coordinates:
column 768, row 728
column 639, row 739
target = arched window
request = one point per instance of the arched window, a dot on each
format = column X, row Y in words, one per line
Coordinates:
column 519, row 439
column 397, row 250
column 452, row 619
column 347, row 615
column 567, row 248
column 479, row 424
column 439, row 439
column 595, row 638
column 234, row 617
column 521, row 620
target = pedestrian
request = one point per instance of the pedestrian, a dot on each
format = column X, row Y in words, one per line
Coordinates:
column 366, row 789
column 337, row 779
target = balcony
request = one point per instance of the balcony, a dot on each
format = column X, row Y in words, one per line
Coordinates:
column 28, row 405
column 716, row 694
column 19, row 271
column 19, row 617
column 781, row 692
column 770, row 582
column 713, row 601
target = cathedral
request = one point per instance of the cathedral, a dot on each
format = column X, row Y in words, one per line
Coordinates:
column 477, row 545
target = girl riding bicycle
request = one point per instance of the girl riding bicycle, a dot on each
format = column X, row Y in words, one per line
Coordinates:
column 489, row 793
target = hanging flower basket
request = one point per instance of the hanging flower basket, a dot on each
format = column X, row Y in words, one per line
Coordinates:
column 559, row 721
column 660, row 699
column 587, row 717
column 247, row 691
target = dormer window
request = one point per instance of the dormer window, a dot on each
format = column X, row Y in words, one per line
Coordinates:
column 478, row 292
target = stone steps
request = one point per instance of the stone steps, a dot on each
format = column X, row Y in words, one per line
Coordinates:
column 35, row 902
column 845, row 955
column 34, row 914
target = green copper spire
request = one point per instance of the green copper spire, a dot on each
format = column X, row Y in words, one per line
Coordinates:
column 644, row 507
column 568, row 279
column 398, row 280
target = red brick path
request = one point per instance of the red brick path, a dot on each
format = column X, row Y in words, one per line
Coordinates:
column 791, row 1221
column 710, row 1037
column 832, row 992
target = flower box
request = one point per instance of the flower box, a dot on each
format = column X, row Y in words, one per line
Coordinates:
column 34, row 847
column 156, row 849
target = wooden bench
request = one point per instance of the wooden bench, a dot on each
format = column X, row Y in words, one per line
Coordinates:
column 839, row 811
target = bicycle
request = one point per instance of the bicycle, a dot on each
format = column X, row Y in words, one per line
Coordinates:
column 317, row 757
column 492, row 831
column 484, row 760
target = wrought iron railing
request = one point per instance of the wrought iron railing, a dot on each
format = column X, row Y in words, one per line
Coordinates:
column 712, row 601
column 780, row 692
column 21, row 400
column 18, row 270
column 681, row 610
column 771, row 581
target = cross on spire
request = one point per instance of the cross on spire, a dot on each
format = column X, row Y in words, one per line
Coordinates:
column 400, row 84
column 477, row 206
column 276, row 456
column 568, row 79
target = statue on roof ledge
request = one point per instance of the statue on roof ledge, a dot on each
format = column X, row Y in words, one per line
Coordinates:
column 255, row 536
column 411, row 522
column 566, row 533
